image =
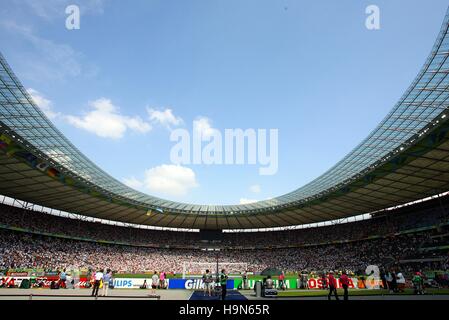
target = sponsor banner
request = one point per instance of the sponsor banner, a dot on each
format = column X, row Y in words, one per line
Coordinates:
column 289, row 283
column 17, row 280
column 134, row 283
column 314, row 283
column 44, row 281
column 82, row 282
column 131, row 283
column 188, row 284
column 191, row 284
column 317, row 283
column 354, row 283
column 17, row 274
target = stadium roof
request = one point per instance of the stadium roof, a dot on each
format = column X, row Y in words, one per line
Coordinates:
column 405, row 158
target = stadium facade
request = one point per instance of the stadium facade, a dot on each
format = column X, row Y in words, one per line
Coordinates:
column 405, row 158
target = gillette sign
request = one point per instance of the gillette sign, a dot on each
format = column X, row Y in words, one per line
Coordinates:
column 192, row 284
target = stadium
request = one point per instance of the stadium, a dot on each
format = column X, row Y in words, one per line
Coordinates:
column 379, row 217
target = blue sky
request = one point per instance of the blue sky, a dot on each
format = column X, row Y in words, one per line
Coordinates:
column 133, row 72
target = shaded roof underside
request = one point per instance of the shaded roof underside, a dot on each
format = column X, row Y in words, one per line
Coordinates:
column 421, row 171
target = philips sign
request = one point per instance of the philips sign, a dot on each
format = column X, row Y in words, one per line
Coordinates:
column 123, row 283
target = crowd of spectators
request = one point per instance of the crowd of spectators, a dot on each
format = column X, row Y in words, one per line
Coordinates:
column 342, row 246
column 24, row 250
column 379, row 225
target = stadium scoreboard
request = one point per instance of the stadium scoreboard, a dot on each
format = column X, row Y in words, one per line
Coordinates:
column 211, row 235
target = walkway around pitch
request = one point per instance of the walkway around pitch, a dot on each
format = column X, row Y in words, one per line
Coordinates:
column 231, row 295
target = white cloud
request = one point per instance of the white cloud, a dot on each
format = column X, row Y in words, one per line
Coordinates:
column 54, row 9
column 49, row 60
column 247, row 201
column 43, row 103
column 133, row 183
column 164, row 117
column 106, row 121
column 168, row 179
column 203, row 126
column 255, row 188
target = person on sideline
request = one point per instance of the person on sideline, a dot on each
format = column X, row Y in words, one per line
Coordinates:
column 162, row 280
column 418, row 284
column 207, row 280
column 332, row 282
column 305, row 279
column 344, row 280
column 323, row 281
column 154, row 283
column 269, row 284
column 223, row 280
column 106, row 278
column 144, row 285
column 97, row 279
column 389, row 280
column 281, row 281
column 400, row 282
column 63, row 279
column 245, row 280
column 394, row 282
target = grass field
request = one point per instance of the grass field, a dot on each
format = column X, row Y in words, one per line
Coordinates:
column 355, row 292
